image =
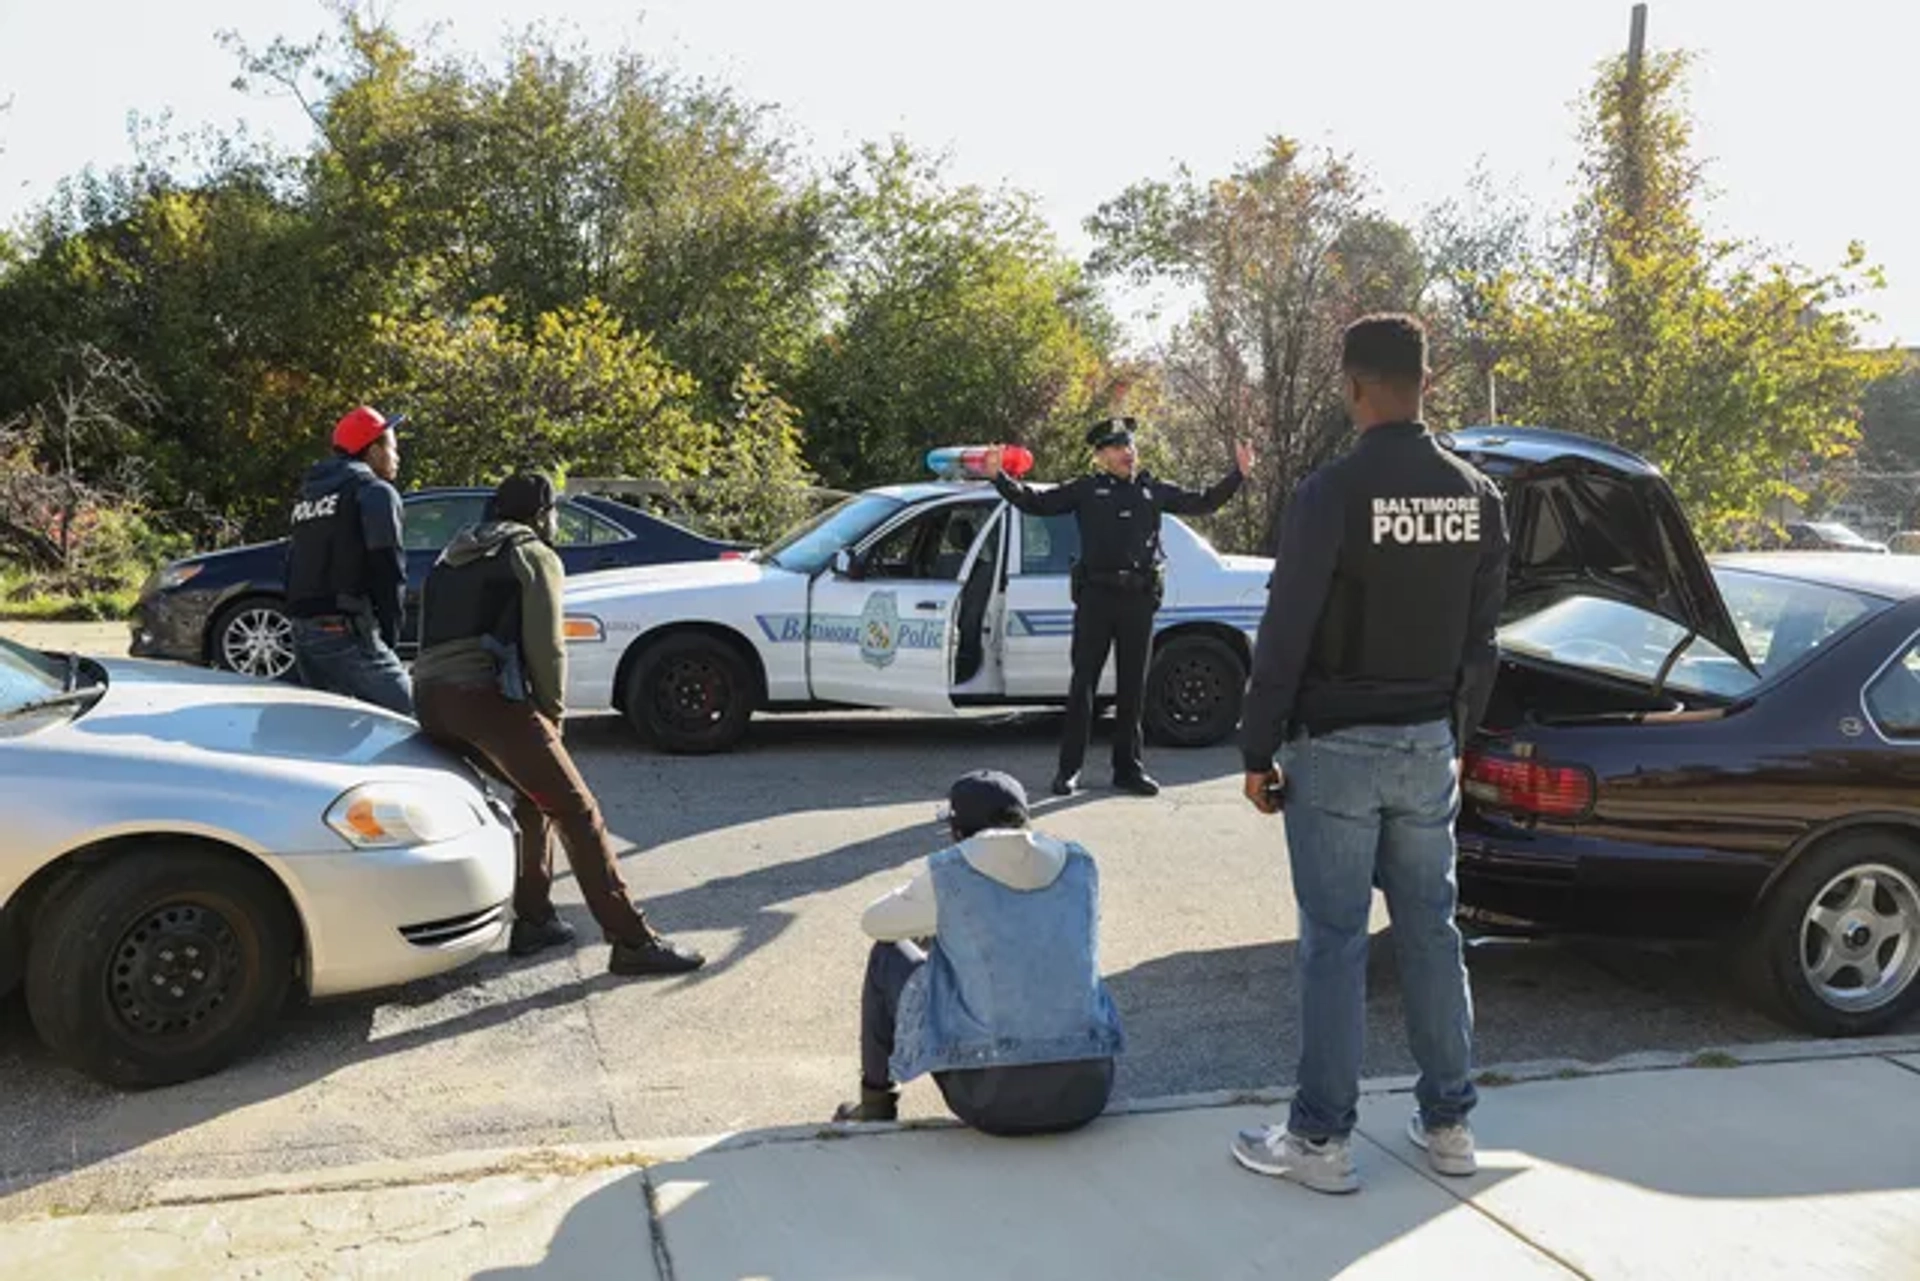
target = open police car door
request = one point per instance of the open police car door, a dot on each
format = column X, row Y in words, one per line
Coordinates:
column 881, row 626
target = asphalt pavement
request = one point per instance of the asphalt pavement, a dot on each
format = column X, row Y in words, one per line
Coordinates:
column 764, row 858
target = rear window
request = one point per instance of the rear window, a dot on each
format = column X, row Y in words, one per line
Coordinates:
column 1780, row 620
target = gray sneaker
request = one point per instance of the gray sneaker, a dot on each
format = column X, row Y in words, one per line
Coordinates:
column 1326, row 1166
column 1449, row 1148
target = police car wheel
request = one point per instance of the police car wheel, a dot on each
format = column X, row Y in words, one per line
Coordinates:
column 255, row 638
column 1194, row 689
column 691, row 695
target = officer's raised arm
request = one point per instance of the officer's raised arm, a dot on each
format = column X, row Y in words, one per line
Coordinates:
column 1057, row 501
column 1303, row 569
column 1187, row 502
column 1481, row 661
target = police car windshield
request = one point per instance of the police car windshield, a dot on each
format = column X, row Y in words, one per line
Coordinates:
column 809, row 548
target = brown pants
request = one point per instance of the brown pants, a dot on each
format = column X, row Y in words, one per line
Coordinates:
column 524, row 750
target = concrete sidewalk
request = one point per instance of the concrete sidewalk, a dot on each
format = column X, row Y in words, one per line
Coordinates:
column 1804, row 1168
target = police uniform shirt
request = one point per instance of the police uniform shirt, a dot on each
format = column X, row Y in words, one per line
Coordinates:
column 1386, row 593
column 1119, row 519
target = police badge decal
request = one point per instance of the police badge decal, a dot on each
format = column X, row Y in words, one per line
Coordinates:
column 880, row 629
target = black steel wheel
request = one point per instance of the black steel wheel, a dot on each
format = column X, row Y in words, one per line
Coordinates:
column 1194, row 689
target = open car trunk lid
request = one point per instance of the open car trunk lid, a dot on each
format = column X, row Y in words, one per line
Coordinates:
column 1588, row 518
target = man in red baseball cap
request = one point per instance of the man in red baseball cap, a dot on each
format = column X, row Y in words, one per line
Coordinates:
column 346, row 568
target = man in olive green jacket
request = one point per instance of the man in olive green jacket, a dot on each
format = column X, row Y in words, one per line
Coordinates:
column 491, row 681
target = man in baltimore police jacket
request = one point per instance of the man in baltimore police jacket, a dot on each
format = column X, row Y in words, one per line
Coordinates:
column 1374, row 661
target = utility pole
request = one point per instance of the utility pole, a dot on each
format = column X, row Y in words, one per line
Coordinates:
column 1632, row 111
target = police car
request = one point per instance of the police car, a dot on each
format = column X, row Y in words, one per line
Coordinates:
column 926, row 597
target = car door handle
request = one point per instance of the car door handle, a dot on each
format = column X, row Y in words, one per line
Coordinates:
column 933, row 605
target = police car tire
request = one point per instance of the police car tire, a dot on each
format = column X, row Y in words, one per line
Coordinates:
column 93, row 936
column 670, row 656
column 1170, row 659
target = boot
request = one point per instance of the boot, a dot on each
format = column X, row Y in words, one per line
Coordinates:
column 875, row 1105
column 655, row 954
column 531, row 936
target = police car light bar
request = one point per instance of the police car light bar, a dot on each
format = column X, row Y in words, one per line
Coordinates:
column 969, row 462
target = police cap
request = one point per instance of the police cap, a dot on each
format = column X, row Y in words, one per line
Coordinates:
column 1111, row 431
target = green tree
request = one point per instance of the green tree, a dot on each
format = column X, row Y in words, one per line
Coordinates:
column 562, row 177
column 1281, row 254
column 1890, row 418
column 956, row 319
column 1725, row 369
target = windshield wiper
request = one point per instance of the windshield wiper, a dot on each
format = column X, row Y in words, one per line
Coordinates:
column 63, row 699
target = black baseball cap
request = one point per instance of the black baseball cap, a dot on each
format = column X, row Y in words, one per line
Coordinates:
column 977, row 800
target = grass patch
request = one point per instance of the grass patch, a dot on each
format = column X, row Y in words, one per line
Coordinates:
column 1493, row 1080
column 1569, row 1074
column 1713, row 1059
column 24, row 599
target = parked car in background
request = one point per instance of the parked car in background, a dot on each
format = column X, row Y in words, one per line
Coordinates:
column 1828, row 536
column 1727, row 753
column 227, row 609
column 185, row 849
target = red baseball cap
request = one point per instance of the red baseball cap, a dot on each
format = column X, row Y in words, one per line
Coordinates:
column 362, row 427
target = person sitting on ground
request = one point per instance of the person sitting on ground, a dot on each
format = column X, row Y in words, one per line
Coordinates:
column 1010, row 920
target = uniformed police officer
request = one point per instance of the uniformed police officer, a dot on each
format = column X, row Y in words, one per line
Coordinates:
column 1374, row 661
column 346, row 568
column 1117, row 583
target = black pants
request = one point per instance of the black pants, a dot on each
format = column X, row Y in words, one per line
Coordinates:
column 1118, row 619
column 1045, row 1098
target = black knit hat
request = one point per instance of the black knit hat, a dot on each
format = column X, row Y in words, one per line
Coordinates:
column 524, row 497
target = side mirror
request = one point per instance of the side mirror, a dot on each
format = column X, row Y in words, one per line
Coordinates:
column 843, row 564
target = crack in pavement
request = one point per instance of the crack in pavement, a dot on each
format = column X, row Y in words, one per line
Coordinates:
column 1460, row 1194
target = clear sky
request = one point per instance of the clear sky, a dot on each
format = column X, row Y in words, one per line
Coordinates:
column 1804, row 110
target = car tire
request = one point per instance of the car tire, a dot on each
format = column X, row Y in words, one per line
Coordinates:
column 1194, row 689
column 210, row 934
column 1824, row 913
column 691, row 695
column 254, row 637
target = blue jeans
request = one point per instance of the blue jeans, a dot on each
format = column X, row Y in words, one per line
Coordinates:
column 344, row 657
column 1376, row 803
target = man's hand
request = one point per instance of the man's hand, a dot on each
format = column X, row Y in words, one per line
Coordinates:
column 1264, row 791
column 1243, row 458
column 996, row 460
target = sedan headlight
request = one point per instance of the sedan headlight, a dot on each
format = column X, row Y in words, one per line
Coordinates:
column 384, row 815
column 168, row 577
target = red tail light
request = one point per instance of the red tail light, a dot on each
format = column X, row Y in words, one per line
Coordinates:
column 1506, row 782
column 733, row 555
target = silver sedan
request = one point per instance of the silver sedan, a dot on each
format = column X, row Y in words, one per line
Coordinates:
column 183, row 850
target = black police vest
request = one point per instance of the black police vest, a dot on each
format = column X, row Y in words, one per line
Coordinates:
column 327, row 563
column 474, row 599
column 1119, row 525
column 1398, row 609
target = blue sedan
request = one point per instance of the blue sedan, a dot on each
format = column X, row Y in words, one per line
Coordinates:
column 227, row 608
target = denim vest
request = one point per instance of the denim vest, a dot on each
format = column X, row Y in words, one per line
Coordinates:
column 1013, row 977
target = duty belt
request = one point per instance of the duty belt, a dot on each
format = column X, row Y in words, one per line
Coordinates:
column 1129, row 579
